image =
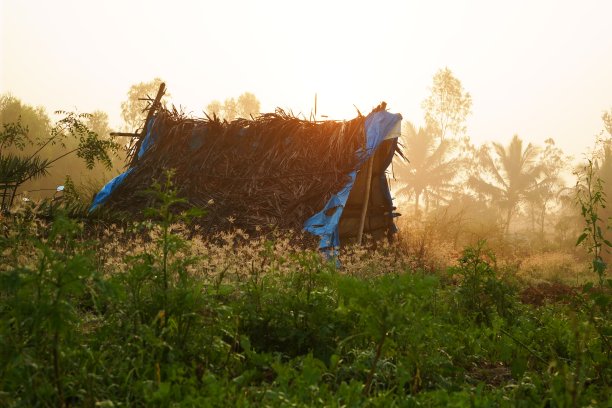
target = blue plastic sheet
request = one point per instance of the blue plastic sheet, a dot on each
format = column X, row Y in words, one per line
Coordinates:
column 149, row 139
column 325, row 223
column 107, row 190
column 109, row 187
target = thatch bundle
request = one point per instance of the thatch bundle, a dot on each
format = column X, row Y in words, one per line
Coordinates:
column 274, row 171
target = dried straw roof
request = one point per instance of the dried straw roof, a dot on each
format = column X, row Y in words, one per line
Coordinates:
column 273, row 171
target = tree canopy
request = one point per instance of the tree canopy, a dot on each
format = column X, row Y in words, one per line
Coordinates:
column 133, row 110
column 32, row 148
column 509, row 174
column 448, row 105
column 245, row 106
column 430, row 170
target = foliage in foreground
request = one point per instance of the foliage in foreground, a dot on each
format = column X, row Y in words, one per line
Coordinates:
column 282, row 327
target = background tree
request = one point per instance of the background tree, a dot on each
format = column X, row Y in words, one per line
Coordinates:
column 97, row 122
column 429, row 172
column 245, row 106
column 214, row 109
column 448, row 105
column 230, row 109
column 510, row 177
column 35, row 119
column 436, row 163
column 133, row 110
column 544, row 195
column 248, row 105
column 33, row 148
column 70, row 132
column 22, row 127
column 607, row 120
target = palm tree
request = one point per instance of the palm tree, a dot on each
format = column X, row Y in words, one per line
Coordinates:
column 428, row 172
column 510, row 177
column 15, row 170
column 552, row 162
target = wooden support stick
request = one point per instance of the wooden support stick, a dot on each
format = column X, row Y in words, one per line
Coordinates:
column 124, row 134
column 152, row 108
column 366, row 199
column 160, row 92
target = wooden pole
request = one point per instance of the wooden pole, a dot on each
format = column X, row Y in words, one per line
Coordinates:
column 124, row 134
column 160, row 92
column 152, row 108
column 366, row 199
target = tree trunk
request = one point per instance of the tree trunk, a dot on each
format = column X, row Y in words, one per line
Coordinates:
column 508, row 218
column 542, row 221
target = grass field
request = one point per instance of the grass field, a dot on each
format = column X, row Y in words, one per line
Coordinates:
column 152, row 315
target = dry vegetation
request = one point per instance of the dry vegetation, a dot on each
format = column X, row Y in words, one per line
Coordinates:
column 274, row 171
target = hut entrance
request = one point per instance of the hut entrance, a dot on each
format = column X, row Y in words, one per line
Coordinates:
column 373, row 217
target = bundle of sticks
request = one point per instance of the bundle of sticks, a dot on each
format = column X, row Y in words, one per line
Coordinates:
column 273, row 171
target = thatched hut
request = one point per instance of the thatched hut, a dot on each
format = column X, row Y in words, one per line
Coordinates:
column 275, row 171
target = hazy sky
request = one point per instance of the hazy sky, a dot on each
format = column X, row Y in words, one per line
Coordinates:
column 535, row 68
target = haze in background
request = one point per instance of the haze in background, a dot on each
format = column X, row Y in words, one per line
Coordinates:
column 538, row 69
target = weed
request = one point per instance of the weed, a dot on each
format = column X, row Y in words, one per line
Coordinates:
column 480, row 290
column 592, row 198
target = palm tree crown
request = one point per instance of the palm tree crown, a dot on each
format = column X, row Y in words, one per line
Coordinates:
column 510, row 177
column 430, row 171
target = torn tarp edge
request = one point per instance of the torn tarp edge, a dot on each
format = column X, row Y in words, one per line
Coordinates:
column 325, row 223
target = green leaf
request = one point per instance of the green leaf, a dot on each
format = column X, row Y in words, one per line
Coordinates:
column 518, row 366
column 602, row 300
column 194, row 212
column 245, row 343
column 581, row 238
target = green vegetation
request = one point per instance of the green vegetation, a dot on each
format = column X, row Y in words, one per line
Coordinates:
column 141, row 316
column 35, row 154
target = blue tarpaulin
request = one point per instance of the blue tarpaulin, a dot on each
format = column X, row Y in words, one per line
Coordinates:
column 325, row 223
column 109, row 187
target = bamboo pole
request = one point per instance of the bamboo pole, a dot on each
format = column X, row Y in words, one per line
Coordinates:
column 155, row 105
column 124, row 134
column 366, row 199
column 160, row 92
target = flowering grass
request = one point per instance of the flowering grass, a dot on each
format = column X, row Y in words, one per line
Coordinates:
column 155, row 314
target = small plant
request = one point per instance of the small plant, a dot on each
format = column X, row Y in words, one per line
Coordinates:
column 158, row 282
column 594, row 304
column 592, row 199
column 480, row 290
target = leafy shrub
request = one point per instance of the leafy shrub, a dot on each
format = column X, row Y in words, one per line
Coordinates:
column 480, row 291
column 41, row 312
